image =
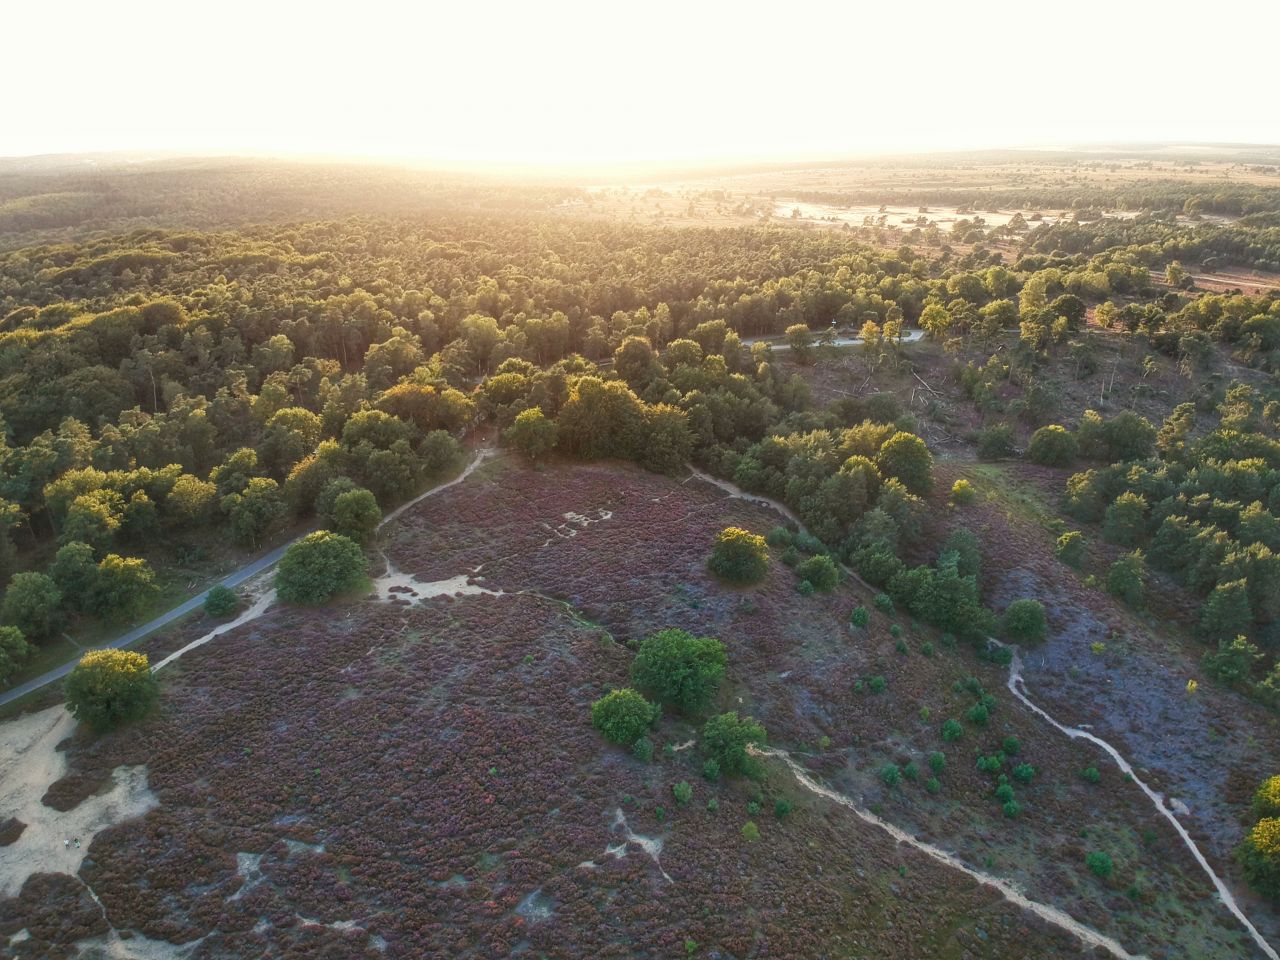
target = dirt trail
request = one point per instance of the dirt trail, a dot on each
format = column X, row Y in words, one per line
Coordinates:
column 29, row 763
column 1017, row 688
column 1088, row 936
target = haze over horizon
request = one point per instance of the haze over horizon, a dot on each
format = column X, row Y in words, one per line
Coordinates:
column 562, row 86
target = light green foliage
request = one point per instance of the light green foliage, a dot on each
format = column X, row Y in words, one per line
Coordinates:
column 725, row 739
column 680, row 670
column 221, row 602
column 623, row 716
column 739, row 556
column 1126, row 579
column 356, row 515
column 682, row 792
column 110, row 687
column 122, row 588
column 319, row 566
column 33, row 604
column 1052, row 446
column 1099, row 863
column 1024, row 622
column 819, row 570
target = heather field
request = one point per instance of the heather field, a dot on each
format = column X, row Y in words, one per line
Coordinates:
column 421, row 779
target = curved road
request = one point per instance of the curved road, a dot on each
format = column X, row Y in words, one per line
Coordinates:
column 239, row 576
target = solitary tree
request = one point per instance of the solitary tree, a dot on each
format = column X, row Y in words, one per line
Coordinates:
column 725, row 739
column 623, row 716
column 109, row 687
column 1024, row 621
column 679, row 669
column 739, row 556
column 318, row 566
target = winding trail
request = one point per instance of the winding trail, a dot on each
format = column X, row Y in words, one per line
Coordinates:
column 1088, row 936
column 1018, row 688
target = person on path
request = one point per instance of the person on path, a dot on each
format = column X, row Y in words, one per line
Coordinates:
column 77, row 843
column 66, row 844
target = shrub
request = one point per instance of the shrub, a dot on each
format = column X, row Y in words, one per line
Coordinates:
column 1233, row 662
column 876, row 564
column 750, row 832
column 1090, row 775
column 711, row 769
column 1259, row 856
column 937, row 761
column 1266, row 802
column 320, row 565
column 642, row 749
column 33, row 604
column 883, row 602
column 1125, row 521
column 819, row 570
column 905, row 456
column 1099, row 864
column 781, row 808
column 725, row 738
column 623, row 716
column 713, row 804
column 1012, row 809
column 933, row 784
column 13, row 650
column 221, row 602
column 804, row 588
column 779, row 537
column 963, row 493
column 995, row 442
column 1024, row 622
column 992, row 763
column 1227, row 612
column 1004, row 793
column 356, row 515
column 531, row 433
column 753, row 807
column 951, row 730
column 1052, row 446
column 1070, row 548
column 978, row 715
column 679, row 670
column 739, row 556
column 110, row 687
column 911, row 772
column 1011, row 747
column 1126, row 579
column 1024, row 772
column 682, row 792
column 890, row 774
column 860, row 617
column 877, row 684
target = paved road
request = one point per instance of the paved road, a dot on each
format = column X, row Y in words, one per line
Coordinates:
column 908, row 336
column 133, row 636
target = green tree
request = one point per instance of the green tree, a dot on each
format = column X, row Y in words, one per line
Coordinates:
column 1226, row 613
column 14, row 649
column 905, row 456
column 255, row 511
column 679, row 669
column 725, row 739
column 800, row 340
column 1024, row 622
column 1127, row 578
column 739, row 556
column 74, row 570
column 623, row 716
column 33, row 604
column 318, row 566
column 1259, row 856
column 356, row 515
column 820, row 571
column 122, row 587
column 1125, row 521
column 1233, row 662
column 1052, row 446
column 532, row 434
column 221, row 602
column 110, row 687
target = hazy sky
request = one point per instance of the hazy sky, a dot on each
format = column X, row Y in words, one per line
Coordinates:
column 556, row 82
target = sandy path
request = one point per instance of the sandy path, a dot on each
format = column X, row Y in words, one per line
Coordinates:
column 29, row 763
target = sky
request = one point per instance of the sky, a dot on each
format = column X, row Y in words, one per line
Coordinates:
column 557, row 83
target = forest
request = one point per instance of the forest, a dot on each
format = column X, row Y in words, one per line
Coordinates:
column 970, row 431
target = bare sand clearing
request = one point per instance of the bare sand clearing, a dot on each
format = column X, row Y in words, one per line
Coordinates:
column 29, row 763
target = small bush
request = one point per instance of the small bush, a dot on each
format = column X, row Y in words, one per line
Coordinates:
column 1090, row 775
column 1024, row 772
column 877, row 684
column 821, row 571
column 951, row 730
column 1012, row 809
column 978, row 715
column 1052, row 446
column 933, row 784
column 221, row 602
column 682, row 792
column 804, row 588
column 860, row 617
column 1011, row 747
column 1004, row 793
column 726, row 737
column 750, row 832
column 911, row 772
column 937, row 761
column 1099, row 864
column 890, row 774
column 642, row 749
column 711, row 770
column 1259, row 856
column 753, row 807
column 1126, row 579
column 992, row 763
column 781, row 808
column 623, row 716
column 779, row 538
column 739, row 556
column 926, row 648
column 713, row 805
column 1024, row 622
column 895, row 630
column 883, row 602
column 110, row 687
column 995, row 442
column 1071, row 548
column 963, row 493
